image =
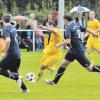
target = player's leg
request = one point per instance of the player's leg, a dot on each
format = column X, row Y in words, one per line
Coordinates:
column 53, row 61
column 43, row 64
column 90, row 55
column 4, row 65
column 47, row 62
column 69, row 57
column 40, row 73
column 97, row 45
column 89, row 51
column 84, row 61
column 61, row 70
column 13, row 70
column 9, row 68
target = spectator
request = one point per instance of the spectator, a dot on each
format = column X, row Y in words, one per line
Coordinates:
column 31, row 24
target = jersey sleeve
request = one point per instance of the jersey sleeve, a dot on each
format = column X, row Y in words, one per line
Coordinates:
column 68, row 32
column 98, row 24
column 5, row 33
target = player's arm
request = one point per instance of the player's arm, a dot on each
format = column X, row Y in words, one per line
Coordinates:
column 64, row 43
column 7, row 45
column 68, row 37
column 7, row 40
column 49, row 29
column 92, row 32
column 98, row 26
column 98, row 30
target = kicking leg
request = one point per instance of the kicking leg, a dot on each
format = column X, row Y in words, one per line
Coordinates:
column 84, row 61
column 8, row 74
column 40, row 74
column 60, row 72
column 93, row 68
column 15, row 76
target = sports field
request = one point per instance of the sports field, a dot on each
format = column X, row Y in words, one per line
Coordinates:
column 76, row 84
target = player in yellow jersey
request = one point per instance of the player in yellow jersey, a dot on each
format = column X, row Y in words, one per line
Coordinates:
column 52, row 55
column 93, row 41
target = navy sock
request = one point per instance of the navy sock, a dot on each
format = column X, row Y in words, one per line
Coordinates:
column 60, row 72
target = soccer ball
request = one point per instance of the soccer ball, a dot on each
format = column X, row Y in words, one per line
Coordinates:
column 30, row 76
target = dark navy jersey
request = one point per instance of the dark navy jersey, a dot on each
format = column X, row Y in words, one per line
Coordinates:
column 73, row 32
column 11, row 32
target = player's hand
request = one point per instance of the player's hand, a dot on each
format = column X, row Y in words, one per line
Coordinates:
column 58, row 45
column 4, row 55
column 67, row 48
column 96, row 35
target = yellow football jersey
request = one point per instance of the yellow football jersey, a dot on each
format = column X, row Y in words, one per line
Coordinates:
column 92, row 41
column 54, row 39
column 94, row 25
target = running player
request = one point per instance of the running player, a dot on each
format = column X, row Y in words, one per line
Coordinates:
column 72, row 32
column 52, row 55
column 9, row 65
column 93, row 42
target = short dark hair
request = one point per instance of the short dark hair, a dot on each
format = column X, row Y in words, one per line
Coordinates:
column 52, row 23
column 68, row 17
column 6, row 18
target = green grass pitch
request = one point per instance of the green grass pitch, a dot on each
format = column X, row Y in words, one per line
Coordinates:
column 76, row 84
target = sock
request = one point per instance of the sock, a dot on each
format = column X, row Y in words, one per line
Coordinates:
column 40, row 74
column 60, row 72
column 8, row 74
column 96, row 69
column 23, row 86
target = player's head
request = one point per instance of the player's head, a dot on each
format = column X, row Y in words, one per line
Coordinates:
column 51, row 23
column 6, row 18
column 67, row 19
column 92, row 15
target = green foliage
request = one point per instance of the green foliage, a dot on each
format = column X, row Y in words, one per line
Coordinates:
column 15, row 9
column 68, row 6
column 46, row 6
column 40, row 15
column 3, row 9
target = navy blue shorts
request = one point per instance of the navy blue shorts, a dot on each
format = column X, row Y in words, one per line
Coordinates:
column 8, row 63
column 80, row 57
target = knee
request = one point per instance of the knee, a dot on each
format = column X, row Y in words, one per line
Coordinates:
column 43, row 68
column 90, row 68
column 64, row 65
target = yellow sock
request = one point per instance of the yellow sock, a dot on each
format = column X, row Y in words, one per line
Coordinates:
column 40, row 74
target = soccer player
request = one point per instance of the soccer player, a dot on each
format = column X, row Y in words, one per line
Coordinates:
column 52, row 55
column 9, row 65
column 93, row 42
column 72, row 32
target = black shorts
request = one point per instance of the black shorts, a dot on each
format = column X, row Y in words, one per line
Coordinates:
column 81, row 58
column 8, row 63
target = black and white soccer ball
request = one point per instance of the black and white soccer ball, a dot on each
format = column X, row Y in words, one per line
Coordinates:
column 30, row 76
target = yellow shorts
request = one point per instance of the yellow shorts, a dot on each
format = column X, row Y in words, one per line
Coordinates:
column 93, row 43
column 50, row 60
